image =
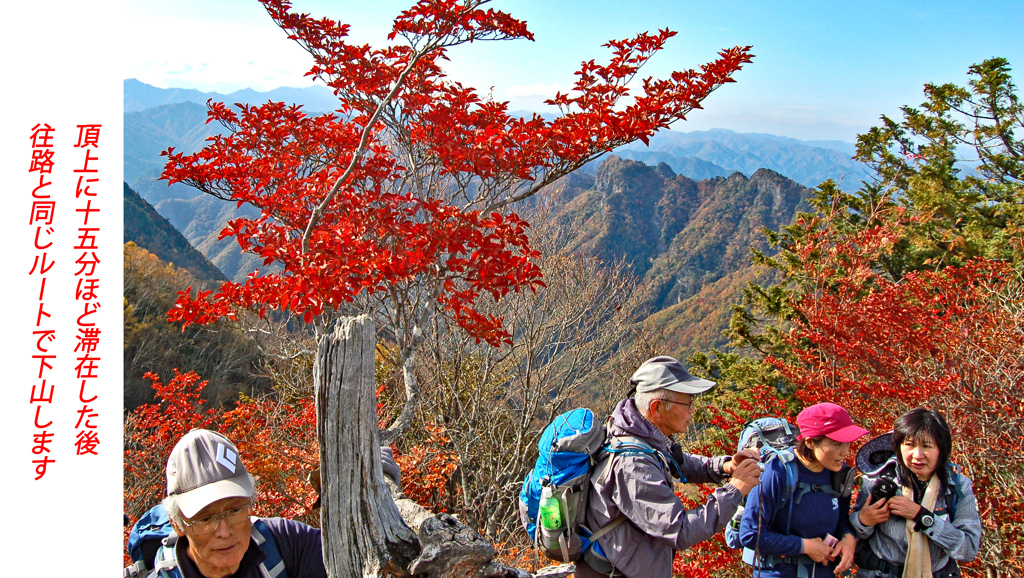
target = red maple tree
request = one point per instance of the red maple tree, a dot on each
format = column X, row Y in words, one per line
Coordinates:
column 398, row 202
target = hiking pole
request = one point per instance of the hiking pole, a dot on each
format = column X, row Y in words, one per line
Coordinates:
column 757, row 543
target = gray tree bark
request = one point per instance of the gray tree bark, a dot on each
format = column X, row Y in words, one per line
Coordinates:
column 363, row 531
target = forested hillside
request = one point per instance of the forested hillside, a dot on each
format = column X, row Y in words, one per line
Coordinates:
column 146, row 228
column 220, row 353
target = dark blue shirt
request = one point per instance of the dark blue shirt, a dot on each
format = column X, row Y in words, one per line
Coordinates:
column 298, row 543
column 817, row 514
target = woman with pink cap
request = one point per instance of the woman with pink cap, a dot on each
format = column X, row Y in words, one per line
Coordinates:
column 800, row 528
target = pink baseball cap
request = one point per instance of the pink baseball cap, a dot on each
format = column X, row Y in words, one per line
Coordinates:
column 829, row 420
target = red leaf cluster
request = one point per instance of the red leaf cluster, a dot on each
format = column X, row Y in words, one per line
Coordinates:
column 427, row 469
column 276, row 441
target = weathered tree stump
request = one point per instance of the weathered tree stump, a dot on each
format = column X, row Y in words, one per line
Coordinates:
column 363, row 532
column 450, row 548
column 364, row 517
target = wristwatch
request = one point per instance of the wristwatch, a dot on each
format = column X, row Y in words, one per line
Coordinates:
column 927, row 520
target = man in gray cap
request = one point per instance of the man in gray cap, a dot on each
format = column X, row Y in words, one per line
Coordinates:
column 209, row 497
column 634, row 490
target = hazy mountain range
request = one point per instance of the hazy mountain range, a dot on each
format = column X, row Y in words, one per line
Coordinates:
column 719, row 153
column 139, row 96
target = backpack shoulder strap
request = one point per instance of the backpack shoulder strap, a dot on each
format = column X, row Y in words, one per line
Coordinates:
column 616, row 446
column 632, row 445
column 166, row 561
column 788, row 458
column 843, row 481
column 273, row 565
column 957, row 493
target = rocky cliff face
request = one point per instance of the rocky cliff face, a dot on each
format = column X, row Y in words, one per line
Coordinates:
column 680, row 235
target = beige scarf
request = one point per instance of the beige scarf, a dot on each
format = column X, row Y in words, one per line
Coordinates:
column 919, row 556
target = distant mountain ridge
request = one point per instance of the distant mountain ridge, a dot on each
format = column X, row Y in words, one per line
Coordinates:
column 720, row 152
column 139, row 96
column 180, row 125
column 686, row 239
column 684, row 211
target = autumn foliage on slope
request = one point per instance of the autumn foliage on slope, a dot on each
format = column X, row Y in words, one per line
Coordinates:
column 910, row 291
column 951, row 339
column 276, row 440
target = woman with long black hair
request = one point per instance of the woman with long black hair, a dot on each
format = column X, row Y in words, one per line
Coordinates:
column 932, row 520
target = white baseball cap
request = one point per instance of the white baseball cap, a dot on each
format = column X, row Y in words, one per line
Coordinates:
column 205, row 467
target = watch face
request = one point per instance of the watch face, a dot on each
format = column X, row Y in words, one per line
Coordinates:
column 927, row 520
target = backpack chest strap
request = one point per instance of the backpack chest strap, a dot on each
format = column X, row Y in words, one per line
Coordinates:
column 803, row 488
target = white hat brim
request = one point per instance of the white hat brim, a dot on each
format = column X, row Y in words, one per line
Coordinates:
column 191, row 502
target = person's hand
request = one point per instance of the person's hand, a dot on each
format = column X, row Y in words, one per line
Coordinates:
column 874, row 512
column 844, row 550
column 903, row 507
column 746, row 476
column 817, row 550
column 740, row 457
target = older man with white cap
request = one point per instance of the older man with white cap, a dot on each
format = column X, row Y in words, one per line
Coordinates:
column 634, row 490
column 209, row 497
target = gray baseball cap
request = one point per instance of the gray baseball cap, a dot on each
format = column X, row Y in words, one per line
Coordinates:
column 205, row 467
column 666, row 372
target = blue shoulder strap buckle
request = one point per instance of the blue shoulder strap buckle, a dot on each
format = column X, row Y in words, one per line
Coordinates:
column 634, row 445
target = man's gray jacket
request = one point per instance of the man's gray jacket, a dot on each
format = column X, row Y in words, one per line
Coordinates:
column 639, row 487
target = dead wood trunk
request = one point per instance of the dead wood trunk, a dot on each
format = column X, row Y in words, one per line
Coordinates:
column 363, row 532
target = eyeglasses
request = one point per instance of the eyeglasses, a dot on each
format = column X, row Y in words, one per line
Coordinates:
column 688, row 406
column 207, row 524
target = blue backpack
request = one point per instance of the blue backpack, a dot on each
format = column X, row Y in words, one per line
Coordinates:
column 151, row 545
column 145, row 540
column 776, row 438
column 569, row 449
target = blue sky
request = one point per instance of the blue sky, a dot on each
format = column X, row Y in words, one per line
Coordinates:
column 823, row 70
